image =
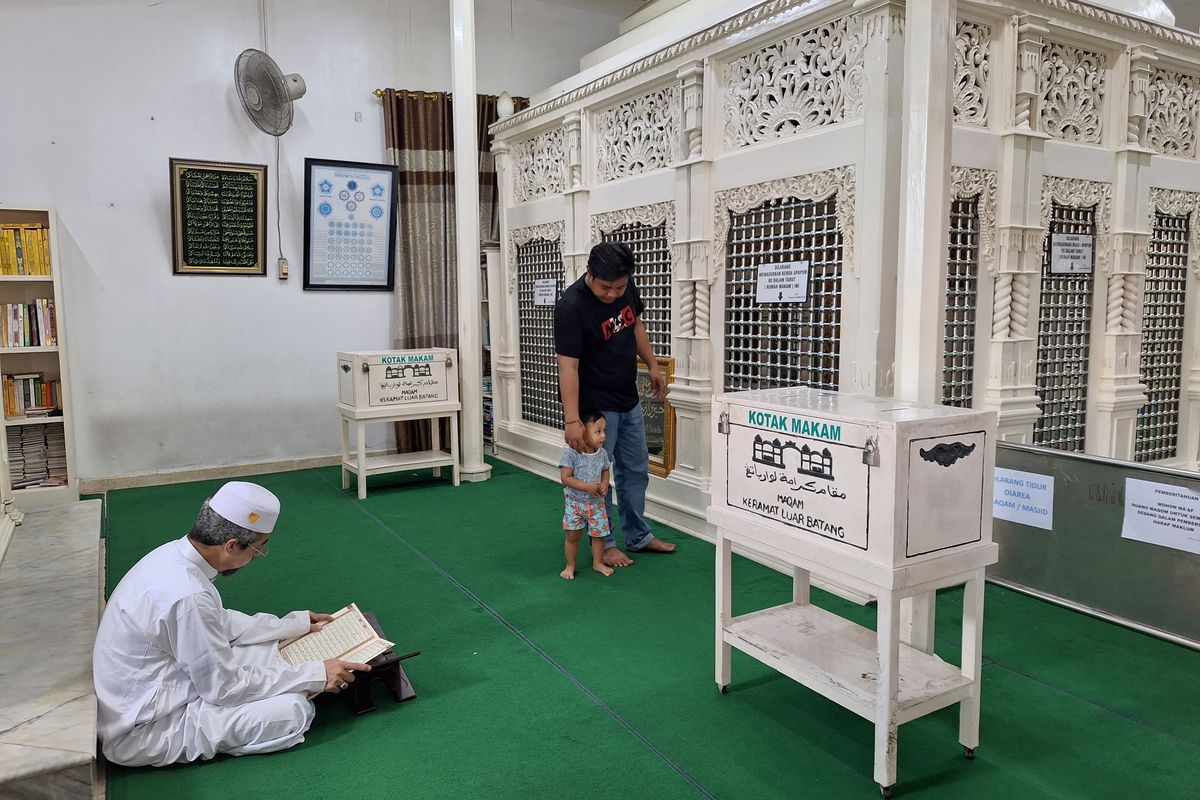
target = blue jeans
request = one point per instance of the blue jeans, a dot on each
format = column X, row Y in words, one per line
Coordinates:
column 625, row 441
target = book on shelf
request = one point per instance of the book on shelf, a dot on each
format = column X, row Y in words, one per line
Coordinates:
column 347, row 636
column 30, row 324
column 24, row 249
column 29, row 394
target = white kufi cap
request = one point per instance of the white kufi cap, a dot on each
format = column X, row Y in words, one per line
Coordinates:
column 246, row 504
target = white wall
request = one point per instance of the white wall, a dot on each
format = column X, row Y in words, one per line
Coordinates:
column 176, row 372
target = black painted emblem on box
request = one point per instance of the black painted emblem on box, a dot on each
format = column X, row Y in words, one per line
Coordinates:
column 947, row 454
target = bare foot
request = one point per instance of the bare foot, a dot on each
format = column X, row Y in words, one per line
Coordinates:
column 602, row 568
column 567, row 574
column 657, row 546
column 615, row 558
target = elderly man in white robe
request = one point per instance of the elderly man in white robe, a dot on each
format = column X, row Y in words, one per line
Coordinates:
column 181, row 678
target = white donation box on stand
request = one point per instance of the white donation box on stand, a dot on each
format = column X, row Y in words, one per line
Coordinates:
column 889, row 498
column 393, row 386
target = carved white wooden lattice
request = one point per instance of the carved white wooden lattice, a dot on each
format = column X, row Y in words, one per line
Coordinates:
column 550, row 231
column 805, row 81
column 654, row 214
column 969, row 182
column 814, row 186
column 1072, row 92
column 1182, row 204
column 972, row 48
column 1078, row 193
column 1174, row 105
column 638, row 136
column 537, row 166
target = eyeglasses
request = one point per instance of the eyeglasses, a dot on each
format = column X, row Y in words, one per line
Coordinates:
column 263, row 552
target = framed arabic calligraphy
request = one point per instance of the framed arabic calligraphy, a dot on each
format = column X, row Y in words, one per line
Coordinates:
column 660, row 418
column 218, row 218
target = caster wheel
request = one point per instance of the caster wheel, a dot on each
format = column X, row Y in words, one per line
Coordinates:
column 886, row 792
column 723, row 690
column 969, row 752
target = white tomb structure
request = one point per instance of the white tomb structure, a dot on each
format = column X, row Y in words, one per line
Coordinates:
column 996, row 203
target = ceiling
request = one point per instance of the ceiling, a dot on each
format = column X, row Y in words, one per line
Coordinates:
column 615, row 7
column 1187, row 13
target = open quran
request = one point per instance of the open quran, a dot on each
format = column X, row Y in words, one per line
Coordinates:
column 347, row 636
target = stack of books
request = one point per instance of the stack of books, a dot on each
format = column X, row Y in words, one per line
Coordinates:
column 16, row 458
column 56, row 456
column 37, row 456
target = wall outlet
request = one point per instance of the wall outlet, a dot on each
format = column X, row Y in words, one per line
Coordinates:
column 283, row 266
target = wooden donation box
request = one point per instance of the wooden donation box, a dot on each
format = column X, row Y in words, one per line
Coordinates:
column 393, row 386
column 886, row 497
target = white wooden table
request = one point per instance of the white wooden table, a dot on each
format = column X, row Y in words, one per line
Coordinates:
column 360, row 464
column 878, row 676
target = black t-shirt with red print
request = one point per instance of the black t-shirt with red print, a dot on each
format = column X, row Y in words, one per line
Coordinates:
column 601, row 336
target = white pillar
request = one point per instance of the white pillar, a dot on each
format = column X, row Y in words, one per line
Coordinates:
column 925, row 178
column 466, row 213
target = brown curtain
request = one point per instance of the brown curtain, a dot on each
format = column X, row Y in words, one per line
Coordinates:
column 419, row 136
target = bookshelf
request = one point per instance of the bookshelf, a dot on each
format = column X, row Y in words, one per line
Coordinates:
column 489, row 270
column 33, row 360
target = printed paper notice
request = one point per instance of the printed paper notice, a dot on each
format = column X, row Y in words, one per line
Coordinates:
column 783, row 283
column 1162, row 514
column 1071, row 253
column 1024, row 497
column 544, row 290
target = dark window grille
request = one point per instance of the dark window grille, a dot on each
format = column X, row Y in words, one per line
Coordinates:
column 538, row 260
column 652, row 252
column 1157, row 435
column 962, row 286
column 1064, row 339
column 786, row 344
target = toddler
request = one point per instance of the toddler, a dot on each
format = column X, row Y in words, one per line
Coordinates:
column 585, row 484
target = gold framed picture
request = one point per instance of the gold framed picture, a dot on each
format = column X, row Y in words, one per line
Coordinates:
column 660, row 418
column 218, row 218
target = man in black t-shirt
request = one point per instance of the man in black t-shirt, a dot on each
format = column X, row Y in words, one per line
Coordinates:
column 598, row 336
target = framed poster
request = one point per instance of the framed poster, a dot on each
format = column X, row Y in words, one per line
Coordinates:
column 218, row 218
column 349, row 225
column 660, row 418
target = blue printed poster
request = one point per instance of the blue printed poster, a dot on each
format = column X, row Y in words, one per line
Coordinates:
column 349, row 225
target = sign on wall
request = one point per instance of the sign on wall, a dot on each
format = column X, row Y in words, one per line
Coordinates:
column 783, row 283
column 545, row 291
column 1071, row 253
column 1162, row 514
column 1024, row 497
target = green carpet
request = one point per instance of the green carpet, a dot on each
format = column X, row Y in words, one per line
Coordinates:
column 529, row 686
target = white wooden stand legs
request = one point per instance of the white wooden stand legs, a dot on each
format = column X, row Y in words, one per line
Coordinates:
column 972, row 662
column 855, row 667
column 724, row 610
column 362, row 465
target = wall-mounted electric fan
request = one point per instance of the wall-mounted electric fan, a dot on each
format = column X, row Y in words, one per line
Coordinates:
column 267, row 94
